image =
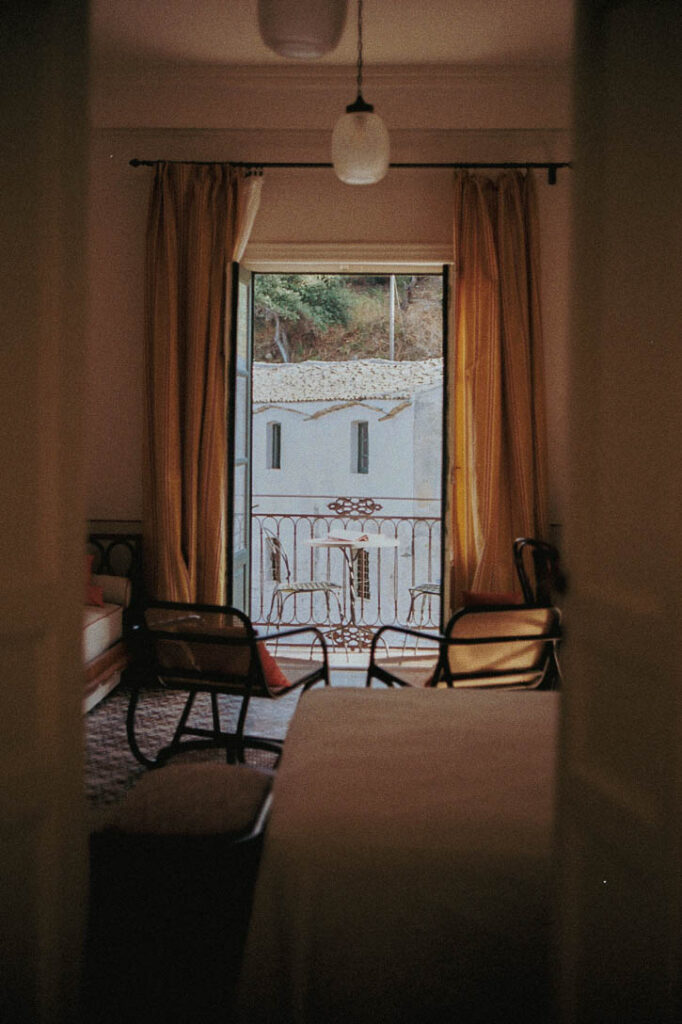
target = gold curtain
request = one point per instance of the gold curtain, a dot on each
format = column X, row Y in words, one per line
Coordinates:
column 199, row 217
column 497, row 478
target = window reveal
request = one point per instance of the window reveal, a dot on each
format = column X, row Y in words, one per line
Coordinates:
column 274, row 448
column 360, row 446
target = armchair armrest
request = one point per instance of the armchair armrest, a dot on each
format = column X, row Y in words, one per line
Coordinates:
column 402, row 656
column 289, row 665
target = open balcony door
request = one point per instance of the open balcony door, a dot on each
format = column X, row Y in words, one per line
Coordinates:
column 446, row 483
column 239, row 440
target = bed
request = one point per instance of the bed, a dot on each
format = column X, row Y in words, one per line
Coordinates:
column 406, row 869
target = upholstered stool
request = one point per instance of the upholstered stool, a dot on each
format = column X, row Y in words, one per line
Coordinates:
column 193, row 799
column 173, row 866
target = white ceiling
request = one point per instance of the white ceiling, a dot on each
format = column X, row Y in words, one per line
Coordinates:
column 225, row 32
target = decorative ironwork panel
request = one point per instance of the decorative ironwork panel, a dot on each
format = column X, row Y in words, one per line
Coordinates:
column 354, row 506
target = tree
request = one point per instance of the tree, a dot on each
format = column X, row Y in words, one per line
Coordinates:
column 316, row 301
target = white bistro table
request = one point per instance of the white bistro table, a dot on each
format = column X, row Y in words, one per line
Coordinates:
column 350, row 543
column 406, row 871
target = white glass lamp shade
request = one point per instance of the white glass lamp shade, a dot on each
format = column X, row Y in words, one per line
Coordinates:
column 301, row 28
column 360, row 148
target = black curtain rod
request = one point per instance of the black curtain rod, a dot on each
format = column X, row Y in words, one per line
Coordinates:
column 551, row 168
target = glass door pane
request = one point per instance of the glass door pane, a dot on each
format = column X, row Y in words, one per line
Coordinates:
column 239, row 515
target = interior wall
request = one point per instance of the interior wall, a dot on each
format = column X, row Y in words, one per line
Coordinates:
column 115, row 334
column 257, row 114
column 554, row 210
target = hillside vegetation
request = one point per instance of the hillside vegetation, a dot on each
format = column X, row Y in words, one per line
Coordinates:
column 334, row 317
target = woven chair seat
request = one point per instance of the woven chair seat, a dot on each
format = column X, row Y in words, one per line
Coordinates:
column 425, row 588
column 305, row 586
column 501, row 645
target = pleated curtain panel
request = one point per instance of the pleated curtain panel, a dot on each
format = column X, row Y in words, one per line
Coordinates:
column 200, row 218
column 497, row 475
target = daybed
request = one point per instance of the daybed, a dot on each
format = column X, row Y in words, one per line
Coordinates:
column 109, row 599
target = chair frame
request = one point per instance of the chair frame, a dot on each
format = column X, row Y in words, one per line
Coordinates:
column 548, row 678
column 424, row 592
column 283, row 591
column 196, row 681
column 546, row 568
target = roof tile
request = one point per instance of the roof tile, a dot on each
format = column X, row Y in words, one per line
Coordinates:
column 314, row 381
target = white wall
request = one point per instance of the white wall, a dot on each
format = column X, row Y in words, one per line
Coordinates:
column 404, row 460
column 316, row 454
column 554, row 210
column 427, row 461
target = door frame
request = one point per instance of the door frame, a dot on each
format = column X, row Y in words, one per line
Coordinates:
column 238, row 561
column 357, row 266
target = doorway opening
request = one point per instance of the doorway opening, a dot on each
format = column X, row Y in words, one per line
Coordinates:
column 346, row 442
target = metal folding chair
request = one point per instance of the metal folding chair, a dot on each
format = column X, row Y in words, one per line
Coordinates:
column 286, row 587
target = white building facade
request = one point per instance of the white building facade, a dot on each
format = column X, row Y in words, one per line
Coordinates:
column 347, row 445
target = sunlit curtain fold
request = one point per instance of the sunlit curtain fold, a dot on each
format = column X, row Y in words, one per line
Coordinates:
column 497, row 478
column 199, row 217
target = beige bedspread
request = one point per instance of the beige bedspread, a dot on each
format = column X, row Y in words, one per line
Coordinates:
column 406, row 869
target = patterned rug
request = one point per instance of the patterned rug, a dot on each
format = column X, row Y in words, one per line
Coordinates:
column 111, row 769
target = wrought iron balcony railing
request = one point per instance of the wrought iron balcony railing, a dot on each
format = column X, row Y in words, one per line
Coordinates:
column 383, row 576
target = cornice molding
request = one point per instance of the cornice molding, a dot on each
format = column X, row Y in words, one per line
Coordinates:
column 325, row 75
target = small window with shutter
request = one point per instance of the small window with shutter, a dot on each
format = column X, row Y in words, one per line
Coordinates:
column 274, row 446
column 360, row 446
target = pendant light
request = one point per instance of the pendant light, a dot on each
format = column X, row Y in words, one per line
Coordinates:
column 301, row 28
column 360, row 143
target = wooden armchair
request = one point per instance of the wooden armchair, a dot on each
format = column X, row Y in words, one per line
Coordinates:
column 214, row 650
column 486, row 646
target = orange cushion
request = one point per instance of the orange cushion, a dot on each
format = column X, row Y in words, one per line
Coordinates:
column 479, row 598
column 274, row 677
